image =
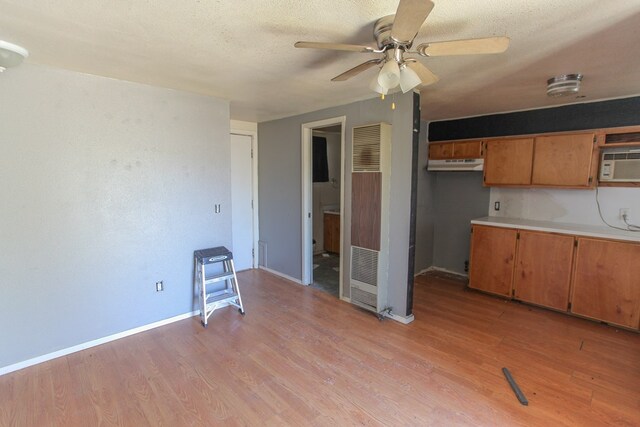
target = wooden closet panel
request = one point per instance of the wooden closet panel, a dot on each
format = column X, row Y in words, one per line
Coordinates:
column 366, row 190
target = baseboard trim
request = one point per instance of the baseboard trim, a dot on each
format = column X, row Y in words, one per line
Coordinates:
column 284, row 276
column 443, row 270
column 93, row 343
column 424, row 270
column 402, row 319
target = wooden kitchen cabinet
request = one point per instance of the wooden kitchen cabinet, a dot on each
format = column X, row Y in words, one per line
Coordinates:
column 543, row 269
column 332, row 233
column 606, row 284
column 508, row 161
column 564, row 160
column 441, row 151
column 467, row 150
column 492, row 259
column 455, row 150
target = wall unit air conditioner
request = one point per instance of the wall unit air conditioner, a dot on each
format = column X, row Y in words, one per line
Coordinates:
column 370, row 183
column 621, row 165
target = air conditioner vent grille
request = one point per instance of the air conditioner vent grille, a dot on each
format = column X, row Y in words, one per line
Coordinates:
column 366, row 148
column 364, row 265
column 364, row 298
column 616, row 138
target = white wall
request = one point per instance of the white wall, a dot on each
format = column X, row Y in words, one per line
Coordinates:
column 572, row 206
column 239, row 125
column 105, row 187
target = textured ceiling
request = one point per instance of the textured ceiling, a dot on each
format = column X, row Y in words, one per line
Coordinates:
column 243, row 50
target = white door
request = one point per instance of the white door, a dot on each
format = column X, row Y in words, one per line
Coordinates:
column 241, row 202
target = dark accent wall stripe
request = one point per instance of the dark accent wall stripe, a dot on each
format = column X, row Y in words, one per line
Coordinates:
column 593, row 115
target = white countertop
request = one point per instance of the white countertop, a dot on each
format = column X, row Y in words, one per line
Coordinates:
column 332, row 212
column 559, row 227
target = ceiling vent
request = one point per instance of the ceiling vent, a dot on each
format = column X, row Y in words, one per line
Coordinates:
column 567, row 84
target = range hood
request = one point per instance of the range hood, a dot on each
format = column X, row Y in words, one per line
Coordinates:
column 455, row 165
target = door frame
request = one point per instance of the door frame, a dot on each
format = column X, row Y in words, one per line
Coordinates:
column 307, row 196
column 254, row 189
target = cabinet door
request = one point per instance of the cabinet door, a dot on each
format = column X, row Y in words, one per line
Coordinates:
column 543, row 269
column 492, row 259
column 508, row 162
column 606, row 284
column 328, row 233
column 467, row 150
column 440, row 151
column 563, row 160
column 335, row 234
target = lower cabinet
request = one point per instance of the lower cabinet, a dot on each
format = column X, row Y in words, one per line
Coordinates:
column 594, row 278
column 543, row 269
column 606, row 284
column 332, row 233
column 492, row 258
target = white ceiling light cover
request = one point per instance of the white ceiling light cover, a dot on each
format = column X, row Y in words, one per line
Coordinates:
column 11, row 55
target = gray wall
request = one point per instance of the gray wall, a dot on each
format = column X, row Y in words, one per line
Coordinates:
column 106, row 187
column 281, row 191
column 447, row 202
column 459, row 197
column 425, row 208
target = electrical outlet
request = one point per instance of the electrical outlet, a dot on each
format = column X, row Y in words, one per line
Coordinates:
column 159, row 286
column 625, row 212
column 496, row 206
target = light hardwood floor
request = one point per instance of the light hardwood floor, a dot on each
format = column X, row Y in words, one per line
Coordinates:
column 301, row 357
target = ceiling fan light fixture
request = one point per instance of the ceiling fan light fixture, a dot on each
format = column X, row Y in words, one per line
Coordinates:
column 389, row 76
column 409, row 79
column 11, row 55
column 566, row 84
column 375, row 86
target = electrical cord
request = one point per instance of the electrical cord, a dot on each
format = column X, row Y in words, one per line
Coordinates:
column 630, row 227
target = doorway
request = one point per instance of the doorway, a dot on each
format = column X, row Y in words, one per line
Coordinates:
column 323, row 196
column 243, row 201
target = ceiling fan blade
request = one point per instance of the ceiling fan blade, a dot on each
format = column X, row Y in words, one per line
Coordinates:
column 410, row 16
column 356, row 70
column 335, row 46
column 465, row 47
column 425, row 74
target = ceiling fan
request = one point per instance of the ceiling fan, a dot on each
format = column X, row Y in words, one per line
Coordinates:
column 394, row 35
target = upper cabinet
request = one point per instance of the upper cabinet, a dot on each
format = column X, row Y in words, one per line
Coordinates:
column 566, row 160
column 441, row 151
column 508, row 162
column 455, row 150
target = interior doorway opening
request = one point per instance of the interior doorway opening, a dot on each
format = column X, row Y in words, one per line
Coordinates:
column 323, row 201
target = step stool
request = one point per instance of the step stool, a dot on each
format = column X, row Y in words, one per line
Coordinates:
column 211, row 298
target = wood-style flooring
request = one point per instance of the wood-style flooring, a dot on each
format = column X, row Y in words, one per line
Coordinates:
column 302, row 357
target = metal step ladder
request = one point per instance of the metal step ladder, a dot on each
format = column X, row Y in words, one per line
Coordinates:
column 212, row 297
